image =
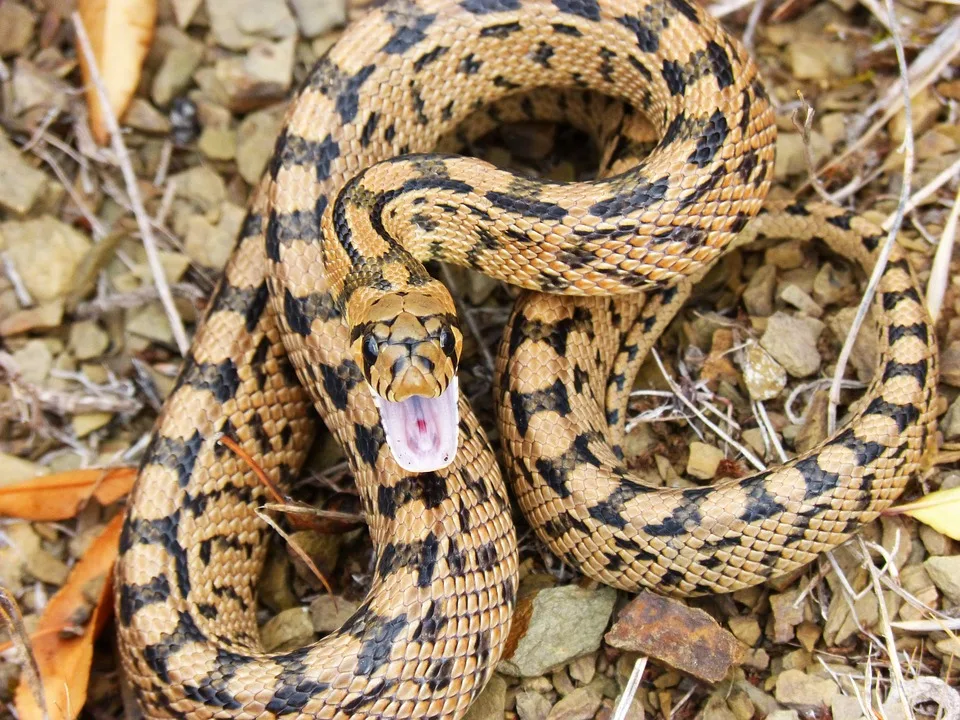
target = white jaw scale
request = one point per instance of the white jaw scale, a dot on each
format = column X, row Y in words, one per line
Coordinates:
column 421, row 432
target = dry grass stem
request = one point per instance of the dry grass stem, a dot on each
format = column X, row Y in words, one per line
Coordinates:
column 133, row 190
column 630, row 691
column 940, row 269
column 887, row 247
column 11, row 617
column 926, row 191
column 742, row 449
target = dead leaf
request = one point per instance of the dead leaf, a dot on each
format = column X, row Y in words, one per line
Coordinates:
column 938, row 510
column 120, row 32
column 63, row 650
column 61, row 496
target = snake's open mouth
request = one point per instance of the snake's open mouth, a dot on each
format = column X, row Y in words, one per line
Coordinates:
column 422, row 432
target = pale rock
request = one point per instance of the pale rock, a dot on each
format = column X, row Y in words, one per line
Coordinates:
column 46, row 567
column 88, row 340
column 746, row 629
column 764, row 703
column 21, row 184
column 794, row 295
column 174, row 265
column 831, row 285
column 259, row 78
column 757, row 658
column 210, row 245
column 634, row 710
column 537, row 684
column 949, row 361
column 34, row 360
column 85, row 423
column 791, row 158
column 491, row 703
column 808, row 633
column 866, row 349
column 16, row 27
column 786, row 255
column 566, row 622
column 833, row 125
column 532, row 706
column 240, row 24
column 141, row 115
column 795, row 660
column 46, row 253
column 845, row 707
column 817, row 59
column 753, row 437
column 792, row 341
column 581, row 704
column 950, row 423
column 150, row 322
column 201, row 187
column 925, row 108
column 328, row 613
column 785, row 615
column 765, row 378
column 716, row 708
column 562, row 682
column 184, row 10
column 740, row 704
column 758, row 295
column 949, row 646
column 583, row 669
column 36, row 91
column 287, row 630
column 316, row 17
column 936, row 543
column 945, row 574
column 46, row 316
column 704, row 460
column 218, row 143
column 256, row 137
column 176, row 71
column 15, row 469
column 795, row 687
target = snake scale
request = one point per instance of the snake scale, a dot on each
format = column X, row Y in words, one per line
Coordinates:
column 325, row 303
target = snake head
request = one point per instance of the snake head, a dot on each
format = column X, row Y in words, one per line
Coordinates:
column 408, row 348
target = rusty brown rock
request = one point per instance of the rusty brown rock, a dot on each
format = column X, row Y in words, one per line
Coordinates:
column 684, row 638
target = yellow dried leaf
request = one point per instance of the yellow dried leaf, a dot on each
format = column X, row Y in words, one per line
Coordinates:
column 120, row 32
column 939, row 510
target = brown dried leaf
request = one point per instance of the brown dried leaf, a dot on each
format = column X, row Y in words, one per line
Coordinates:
column 685, row 638
column 64, row 658
column 120, row 32
column 61, row 496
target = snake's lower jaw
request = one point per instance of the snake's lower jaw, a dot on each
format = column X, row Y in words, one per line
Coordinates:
column 421, row 432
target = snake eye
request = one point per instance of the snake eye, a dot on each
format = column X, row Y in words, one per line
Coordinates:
column 447, row 342
column 371, row 349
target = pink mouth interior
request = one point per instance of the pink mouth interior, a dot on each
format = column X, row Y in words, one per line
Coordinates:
column 421, row 432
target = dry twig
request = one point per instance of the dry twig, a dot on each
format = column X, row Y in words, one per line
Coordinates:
column 133, row 190
column 887, row 247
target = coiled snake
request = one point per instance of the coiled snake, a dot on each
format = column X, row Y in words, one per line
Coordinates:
column 326, row 289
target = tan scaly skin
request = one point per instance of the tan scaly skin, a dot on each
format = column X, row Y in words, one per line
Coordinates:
column 325, row 288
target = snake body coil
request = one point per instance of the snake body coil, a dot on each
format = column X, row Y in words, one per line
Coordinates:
column 325, row 302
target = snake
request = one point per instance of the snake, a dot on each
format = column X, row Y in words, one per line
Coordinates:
column 325, row 307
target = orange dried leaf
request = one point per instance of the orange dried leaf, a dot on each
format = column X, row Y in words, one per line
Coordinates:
column 64, row 662
column 61, row 496
column 939, row 510
column 120, row 32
